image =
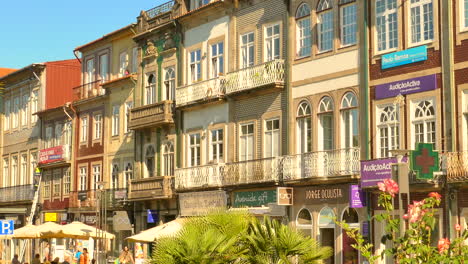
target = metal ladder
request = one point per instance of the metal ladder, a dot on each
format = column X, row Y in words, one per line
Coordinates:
column 31, row 216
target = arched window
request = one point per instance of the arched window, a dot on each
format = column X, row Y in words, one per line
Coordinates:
column 304, row 222
column 325, row 25
column 349, row 121
column 168, row 159
column 350, row 254
column 304, row 128
column 303, row 36
column 327, row 230
column 388, row 131
column 115, row 176
column 348, row 21
column 149, row 161
column 326, row 130
column 424, row 122
column 169, row 83
column 151, row 89
column 128, row 172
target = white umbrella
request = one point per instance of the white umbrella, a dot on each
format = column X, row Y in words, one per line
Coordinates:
column 164, row 230
column 77, row 230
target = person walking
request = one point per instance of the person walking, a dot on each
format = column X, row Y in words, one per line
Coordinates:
column 47, row 252
column 84, row 258
column 15, row 260
column 37, row 259
column 126, row 256
column 77, row 256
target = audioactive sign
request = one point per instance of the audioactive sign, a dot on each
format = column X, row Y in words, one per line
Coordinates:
column 409, row 86
column 404, row 57
column 254, row 198
column 7, row 227
column 375, row 171
column 51, row 155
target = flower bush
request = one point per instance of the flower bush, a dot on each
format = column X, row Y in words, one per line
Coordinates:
column 415, row 244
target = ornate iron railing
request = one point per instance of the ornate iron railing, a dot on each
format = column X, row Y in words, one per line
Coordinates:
column 17, row 193
column 256, row 76
column 149, row 115
column 329, row 163
column 203, row 90
column 88, row 90
column 456, row 165
column 153, row 12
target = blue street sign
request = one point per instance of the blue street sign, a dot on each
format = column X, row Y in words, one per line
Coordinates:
column 7, row 227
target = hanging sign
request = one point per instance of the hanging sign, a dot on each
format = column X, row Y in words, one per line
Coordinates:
column 254, row 198
column 356, row 197
column 50, row 217
column 424, row 161
column 7, row 227
column 403, row 57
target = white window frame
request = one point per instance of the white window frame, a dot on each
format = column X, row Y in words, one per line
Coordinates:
column 271, row 42
column 217, row 153
column 168, row 164
column 353, row 25
column 349, row 105
column 321, row 34
column 49, row 136
column 47, row 180
column 56, row 182
column 123, row 63
column 217, row 59
column 326, row 109
column 97, row 131
column 247, row 50
column 195, row 66
column 104, row 67
column 128, row 172
column 89, row 76
column 386, row 14
column 150, row 89
column 424, row 121
column 128, row 107
column 169, row 83
column 304, row 127
column 303, row 33
column 463, row 15
column 465, row 120
column 14, row 170
column 58, row 133
column 6, row 181
column 66, row 181
column 152, row 155
column 244, row 141
column 115, row 171
column 392, row 129
column 16, row 109
column 34, row 105
column 84, row 129
column 97, row 175
column 420, row 7
column 115, row 120
column 271, row 137
column 24, row 110
column 83, row 185
column 6, row 122
column 134, row 59
column 23, row 169
column 32, row 166
column 194, row 150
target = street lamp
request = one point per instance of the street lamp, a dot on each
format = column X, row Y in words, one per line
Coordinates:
column 100, row 190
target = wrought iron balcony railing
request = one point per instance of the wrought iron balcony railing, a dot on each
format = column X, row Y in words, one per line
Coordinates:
column 456, row 165
column 328, row 163
column 152, row 187
column 155, row 11
column 88, row 90
column 91, row 198
column 268, row 73
column 17, row 193
column 200, row 91
column 151, row 115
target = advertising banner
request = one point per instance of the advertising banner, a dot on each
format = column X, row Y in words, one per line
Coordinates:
column 375, row 171
column 254, row 198
column 356, row 197
column 403, row 57
column 49, row 155
column 409, row 86
column 198, row 203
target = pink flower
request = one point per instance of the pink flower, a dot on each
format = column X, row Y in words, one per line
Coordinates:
column 435, row 195
column 381, row 186
column 405, row 216
column 415, row 211
column 443, row 244
column 458, row 227
column 389, row 186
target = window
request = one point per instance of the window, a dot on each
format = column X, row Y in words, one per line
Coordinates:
column 304, row 128
column 151, row 89
column 33, row 163
column 168, row 159
column 348, row 22
column 326, row 129
column 303, row 38
column 16, row 106
column 97, row 126
column 325, row 25
column 246, row 142
column 115, row 120
column 66, row 181
column 304, row 222
column 135, row 59
column 115, row 176
column 6, row 173
column 123, row 64
column 465, row 119
column 56, row 181
column 89, row 77
column 46, row 180
column 386, row 23
column 169, row 83
column 83, row 179
column 217, row 145
column 128, row 106
column 58, row 134
column 272, row 42
column 23, row 169
column 195, row 66
column 84, row 129
column 217, row 59
column 422, row 25
column 194, row 150
column 66, row 138
column 104, row 67
column 128, row 172
column 388, row 135
column 149, row 161
column 350, row 121
column 96, row 176
column 48, row 136
column 247, row 50
column 465, row 14
column 6, row 123
column 272, row 138
column 24, row 110
column 14, row 171
column 34, row 105
column 424, row 122
column 327, row 230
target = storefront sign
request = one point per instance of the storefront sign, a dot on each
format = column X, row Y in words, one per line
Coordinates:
column 201, row 202
column 82, row 195
column 50, row 217
column 49, row 155
column 121, row 221
column 424, row 161
column 404, row 57
column 285, row 196
column 356, row 197
column 409, row 86
column 120, row 194
column 323, row 194
column 254, row 198
column 375, row 171
column 152, row 216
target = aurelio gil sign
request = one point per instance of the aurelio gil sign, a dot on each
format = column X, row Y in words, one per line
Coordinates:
column 375, row 171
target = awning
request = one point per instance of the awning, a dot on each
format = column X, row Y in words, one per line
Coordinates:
column 164, row 230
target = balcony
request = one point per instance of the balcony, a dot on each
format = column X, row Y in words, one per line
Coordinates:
column 201, row 91
column 151, row 188
column 17, row 193
column 157, row 16
column 321, row 164
column 151, row 115
column 80, row 199
column 236, row 173
column 163, row 8
column 54, row 155
column 258, row 76
column 456, row 166
column 88, row 91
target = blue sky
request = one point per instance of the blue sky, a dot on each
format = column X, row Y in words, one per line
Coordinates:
column 34, row 31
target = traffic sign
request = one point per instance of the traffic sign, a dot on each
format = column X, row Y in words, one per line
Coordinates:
column 7, row 227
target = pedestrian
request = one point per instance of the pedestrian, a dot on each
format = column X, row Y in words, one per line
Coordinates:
column 66, row 260
column 15, row 260
column 84, row 256
column 55, row 261
column 77, row 255
column 126, row 256
column 37, row 259
column 47, row 252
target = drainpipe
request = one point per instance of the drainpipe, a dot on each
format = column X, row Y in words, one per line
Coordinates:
column 76, row 56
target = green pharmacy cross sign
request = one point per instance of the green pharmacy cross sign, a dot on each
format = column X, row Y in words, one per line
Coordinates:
column 424, row 161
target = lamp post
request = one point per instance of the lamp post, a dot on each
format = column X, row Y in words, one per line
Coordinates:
column 100, row 190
